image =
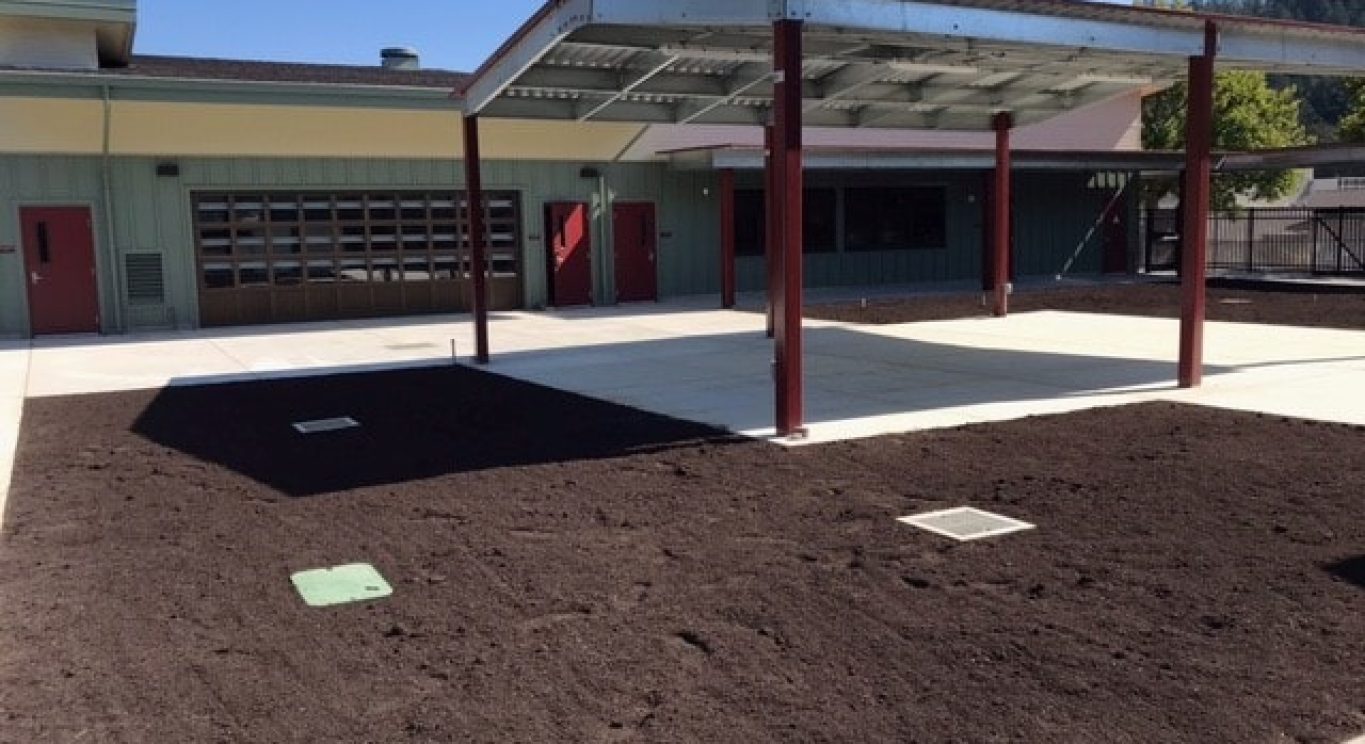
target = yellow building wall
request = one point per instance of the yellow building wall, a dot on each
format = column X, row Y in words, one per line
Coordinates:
column 51, row 125
column 152, row 128
column 65, row 126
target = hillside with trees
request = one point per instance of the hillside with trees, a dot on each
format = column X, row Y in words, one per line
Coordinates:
column 1328, row 103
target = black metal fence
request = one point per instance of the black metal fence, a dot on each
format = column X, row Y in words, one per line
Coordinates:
column 1265, row 240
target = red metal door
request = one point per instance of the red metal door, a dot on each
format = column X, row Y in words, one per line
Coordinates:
column 1116, row 238
column 636, row 248
column 570, row 253
column 59, row 259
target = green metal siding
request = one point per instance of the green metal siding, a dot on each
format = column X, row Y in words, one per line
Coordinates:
column 1052, row 214
column 960, row 259
column 689, row 247
column 45, row 180
column 152, row 214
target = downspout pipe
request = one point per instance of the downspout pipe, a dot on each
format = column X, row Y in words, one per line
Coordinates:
column 106, row 178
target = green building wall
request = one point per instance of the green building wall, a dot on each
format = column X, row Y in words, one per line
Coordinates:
column 1053, row 214
column 152, row 215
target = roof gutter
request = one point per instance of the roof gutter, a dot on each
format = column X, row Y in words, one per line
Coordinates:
column 213, row 90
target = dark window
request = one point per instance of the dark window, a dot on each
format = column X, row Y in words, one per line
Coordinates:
column 890, row 219
column 820, row 231
column 750, row 221
column 262, row 239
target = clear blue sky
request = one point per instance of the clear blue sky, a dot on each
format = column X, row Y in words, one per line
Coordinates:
column 450, row 34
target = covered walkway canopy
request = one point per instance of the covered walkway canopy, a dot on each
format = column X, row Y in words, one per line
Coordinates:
column 918, row 64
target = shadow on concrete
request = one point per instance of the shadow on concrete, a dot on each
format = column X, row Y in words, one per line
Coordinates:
column 429, row 421
column 850, row 374
column 1351, row 570
column 415, row 424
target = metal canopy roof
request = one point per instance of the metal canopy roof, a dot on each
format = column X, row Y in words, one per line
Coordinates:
column 941, row 64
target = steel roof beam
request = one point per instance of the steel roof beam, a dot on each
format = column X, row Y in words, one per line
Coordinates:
column 1008, row 26
column 1240, row 45
column 752, row 76
column 656, row 64
column 609, row 82
column 843, row 82
column 1295, row 157
column 551, row 26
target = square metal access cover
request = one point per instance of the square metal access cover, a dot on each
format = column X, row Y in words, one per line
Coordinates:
column 965, row 523
column 325, row 425
column 355, row 582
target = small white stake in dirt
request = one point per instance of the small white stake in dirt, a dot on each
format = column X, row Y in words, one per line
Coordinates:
column 864, row 303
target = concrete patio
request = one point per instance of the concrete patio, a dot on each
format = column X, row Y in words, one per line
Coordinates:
column 715, row 366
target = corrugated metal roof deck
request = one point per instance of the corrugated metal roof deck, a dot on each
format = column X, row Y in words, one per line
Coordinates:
column 945, row 64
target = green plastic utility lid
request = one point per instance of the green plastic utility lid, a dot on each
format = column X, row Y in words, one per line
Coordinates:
column 356, row 582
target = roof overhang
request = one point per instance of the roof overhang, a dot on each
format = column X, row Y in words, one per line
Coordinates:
column 867, row 159
column 737, row 157
column 945, row 64
column 114, row 21
column 26, row 83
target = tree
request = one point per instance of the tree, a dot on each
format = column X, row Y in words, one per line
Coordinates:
column 1247, row 115
column 1325, row 99
column 1353, row 125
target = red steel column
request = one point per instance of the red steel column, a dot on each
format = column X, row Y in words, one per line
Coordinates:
column 787, row 196
column 1194, row 245
column 770, row 230
column 1000, row 215
column 478, row 239
column 727, row 238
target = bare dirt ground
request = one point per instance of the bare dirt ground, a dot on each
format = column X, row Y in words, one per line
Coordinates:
column 566, row 570
column 1242, row 302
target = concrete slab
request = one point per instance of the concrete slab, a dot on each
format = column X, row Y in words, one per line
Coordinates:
column 715, row 366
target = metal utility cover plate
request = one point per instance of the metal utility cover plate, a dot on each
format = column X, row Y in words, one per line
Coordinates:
column 965, row 523
column 411, row 347
column 355, row 582
column 324, row 425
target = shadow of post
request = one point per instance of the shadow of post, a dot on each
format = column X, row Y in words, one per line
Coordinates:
column 1351, row 570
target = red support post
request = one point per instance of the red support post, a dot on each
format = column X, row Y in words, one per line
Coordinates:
column 770, row 231
column 1198, row 188
column 727, row 238
column 1000, row 216
column 788, row 241
column 478, row 239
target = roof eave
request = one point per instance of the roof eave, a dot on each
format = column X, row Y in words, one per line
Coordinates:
column 210, row 90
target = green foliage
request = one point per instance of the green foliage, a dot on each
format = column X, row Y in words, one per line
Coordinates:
column 1353, row 125
column 1248, row 115
column 1326, row 100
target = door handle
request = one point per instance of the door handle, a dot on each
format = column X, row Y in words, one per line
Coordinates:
column 35, row 277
